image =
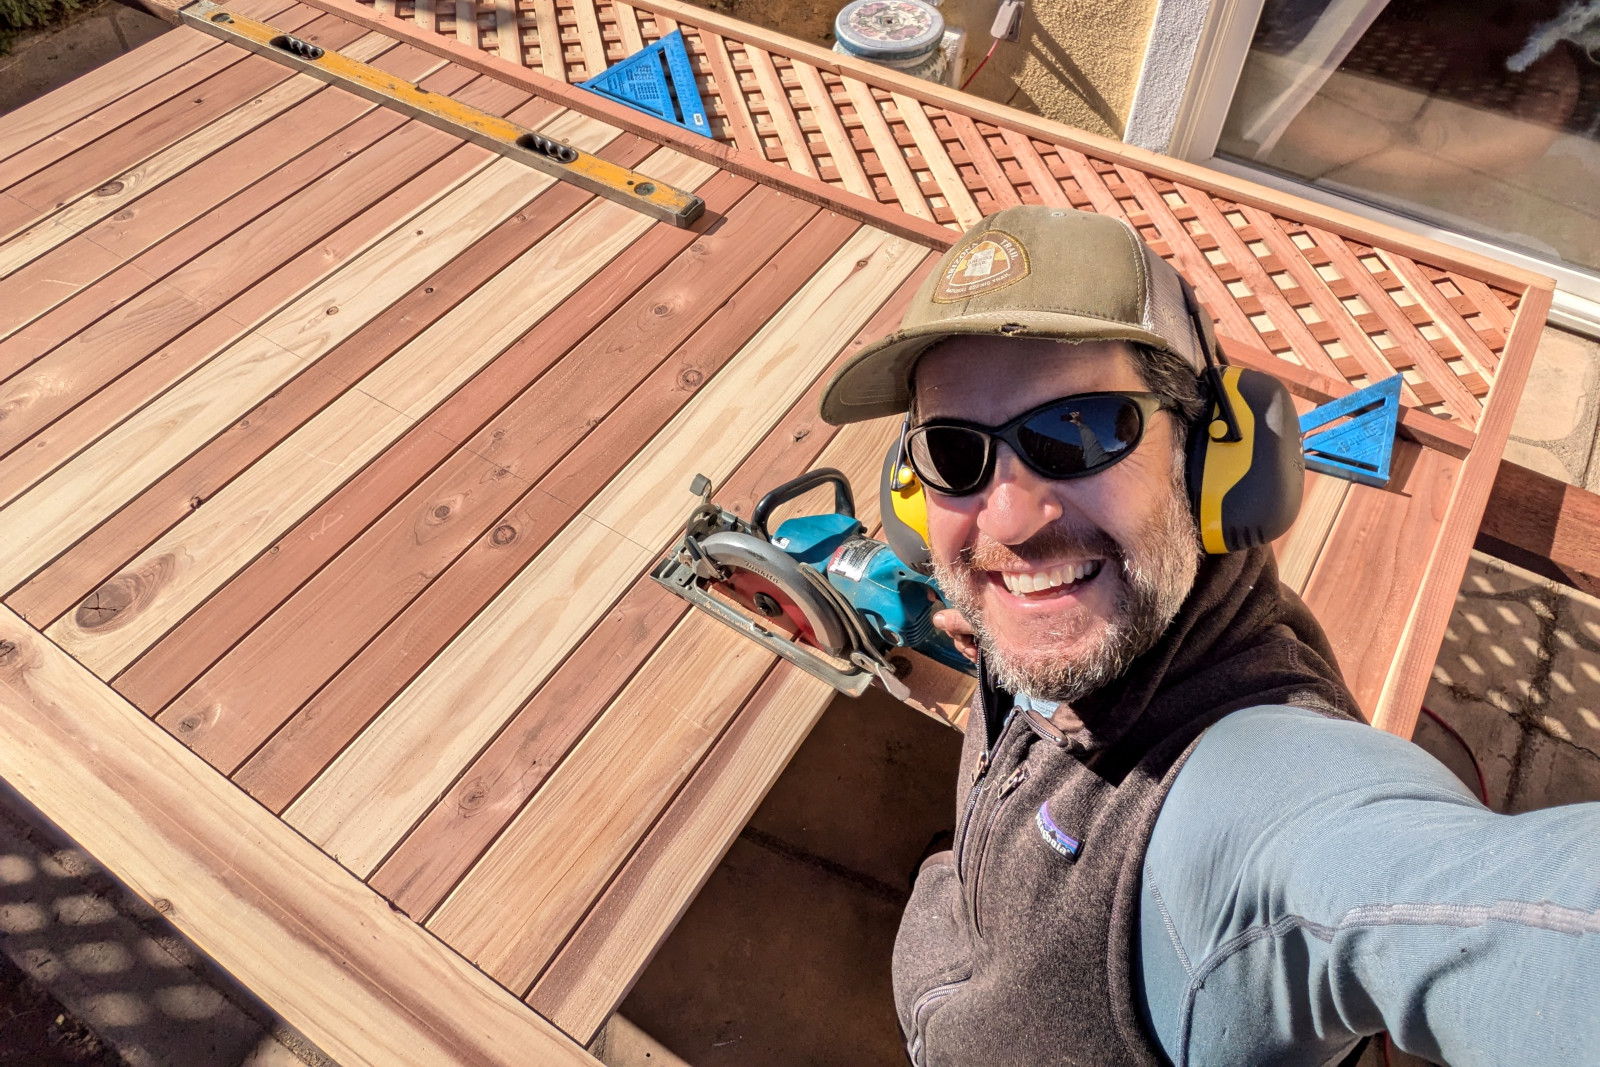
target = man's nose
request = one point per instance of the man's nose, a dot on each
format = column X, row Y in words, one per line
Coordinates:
column 1018, row 502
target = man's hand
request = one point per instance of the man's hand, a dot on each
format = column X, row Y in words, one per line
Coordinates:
column 956, row 625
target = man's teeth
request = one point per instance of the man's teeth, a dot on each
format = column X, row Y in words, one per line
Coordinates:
column 1039, row 581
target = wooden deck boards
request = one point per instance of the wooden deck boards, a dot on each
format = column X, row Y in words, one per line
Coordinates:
column 341, row 448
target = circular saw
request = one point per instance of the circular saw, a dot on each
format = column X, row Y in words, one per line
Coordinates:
column 817, row 590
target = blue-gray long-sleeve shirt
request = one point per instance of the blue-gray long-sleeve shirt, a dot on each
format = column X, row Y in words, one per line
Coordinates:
column 1311, row 880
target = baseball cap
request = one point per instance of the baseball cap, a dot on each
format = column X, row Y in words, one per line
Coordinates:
column 1030, row 271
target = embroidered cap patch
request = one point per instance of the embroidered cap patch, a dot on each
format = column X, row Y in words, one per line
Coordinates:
column 992, row 261
column 1063, row 843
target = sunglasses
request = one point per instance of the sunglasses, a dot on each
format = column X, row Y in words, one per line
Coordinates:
column 1072, row 437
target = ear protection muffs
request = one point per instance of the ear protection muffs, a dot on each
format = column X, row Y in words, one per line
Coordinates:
column 1245, row 469
column 903, row 510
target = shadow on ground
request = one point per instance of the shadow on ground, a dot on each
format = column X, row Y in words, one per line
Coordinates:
column 784, row 956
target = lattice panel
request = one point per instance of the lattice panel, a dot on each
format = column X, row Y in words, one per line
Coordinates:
column 1332, row 304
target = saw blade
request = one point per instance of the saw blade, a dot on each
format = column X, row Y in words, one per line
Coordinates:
column 770, row 582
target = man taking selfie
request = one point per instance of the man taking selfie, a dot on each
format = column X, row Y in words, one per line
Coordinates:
column 1176, row 840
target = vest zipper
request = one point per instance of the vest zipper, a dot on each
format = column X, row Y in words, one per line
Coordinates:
column 1016, row 779
column 979, row 769
column 922, row 1009
column 980, row 773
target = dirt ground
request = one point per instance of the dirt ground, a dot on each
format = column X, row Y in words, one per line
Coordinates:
column 39, row 60
column 809, row 21
column 36, row 1031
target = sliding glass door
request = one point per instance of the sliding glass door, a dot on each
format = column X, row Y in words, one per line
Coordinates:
column 1480, row 116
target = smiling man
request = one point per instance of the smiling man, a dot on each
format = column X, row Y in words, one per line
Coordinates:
column 1175, row 839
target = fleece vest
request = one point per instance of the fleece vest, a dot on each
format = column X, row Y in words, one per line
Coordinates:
column 1016, row 946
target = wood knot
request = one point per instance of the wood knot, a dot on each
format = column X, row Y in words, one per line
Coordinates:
column 8, row 649
column 428, row 291
column 802, row 433
column 661, row 310
column 163, row 905
column 195, row 502
column 334, row 310
column 691, row 378
column 504, row 534
column 442, row 511
column 122, row 216
column 103, row 605
column 111, row 188
column 119, row 599
column 191, row 723
column 473, row 798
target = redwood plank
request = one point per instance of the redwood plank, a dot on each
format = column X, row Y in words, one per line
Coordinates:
column 269, row 674
column 1445, row 316
column 361, row 981
column 1044, row 183
column 1190, row 259
column 107, row 83
column 840, row 148
column 563, row 846
column 493, row 788
column 250, row 174
column 467, row 23
column 119, row 91
column 291, row 759
column 188, row 564
column 1424, row 632
column 994, row 176
column 781, row 113
column 1365, row 582
column 1278, row 309
column 734, row 105
column 467, row 819
column 593, row 971
column 1463, row 404
column 87, row 167
column 887, row 149
column 204, row 636
column 87, row 360
column 580, row 827
column 552, row 60
column 947, row 181
column 1543, row 525
column 372, row 795
column 1357, row 342
column 628, row 27
column 462, row 198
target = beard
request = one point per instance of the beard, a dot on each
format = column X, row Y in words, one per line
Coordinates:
column 1078, row 651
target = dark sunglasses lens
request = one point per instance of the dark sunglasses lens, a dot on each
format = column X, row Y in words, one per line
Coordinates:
column 949, row 458
column 1080, row 436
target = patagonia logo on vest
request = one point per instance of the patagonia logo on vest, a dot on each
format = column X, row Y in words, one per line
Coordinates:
column 1065, row 844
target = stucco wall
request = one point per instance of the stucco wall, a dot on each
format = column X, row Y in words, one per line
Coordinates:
column 1076, row 61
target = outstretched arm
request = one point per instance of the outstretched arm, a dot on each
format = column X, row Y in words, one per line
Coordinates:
column 1311, row 880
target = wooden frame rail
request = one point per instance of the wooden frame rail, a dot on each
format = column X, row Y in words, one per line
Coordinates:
column 270, row 907
column 1543, row 525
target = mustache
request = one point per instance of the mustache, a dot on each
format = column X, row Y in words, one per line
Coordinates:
column 1047, row 545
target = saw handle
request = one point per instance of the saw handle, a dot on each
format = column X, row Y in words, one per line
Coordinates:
column 844, row 502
